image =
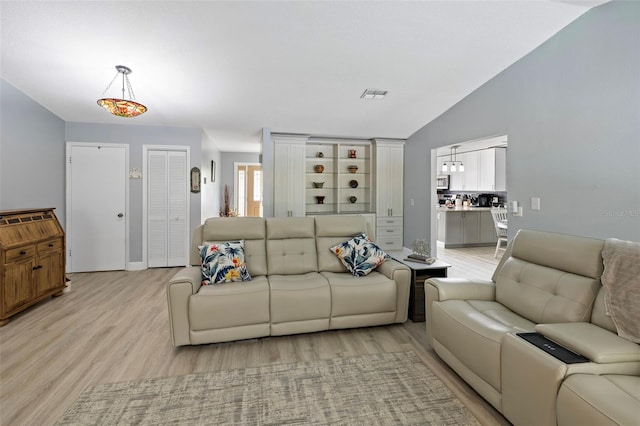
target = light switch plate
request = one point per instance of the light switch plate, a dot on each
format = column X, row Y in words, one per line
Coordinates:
column 535, row 203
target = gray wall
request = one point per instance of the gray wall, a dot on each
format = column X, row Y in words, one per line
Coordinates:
column 137, row 136
column 32, row 153
column 211, row 190
column 570, row 110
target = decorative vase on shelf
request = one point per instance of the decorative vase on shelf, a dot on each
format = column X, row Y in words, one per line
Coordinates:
column 318, row 168
column 320, row 199
column 352, row 168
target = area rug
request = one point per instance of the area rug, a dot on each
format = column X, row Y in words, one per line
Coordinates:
column 380, row 389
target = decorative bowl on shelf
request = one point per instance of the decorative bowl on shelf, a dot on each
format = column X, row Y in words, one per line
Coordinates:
column 353, row 199
column 318, row 184
column 353, row 183
column 320, row 199
column 318, row 168
column 352, row 168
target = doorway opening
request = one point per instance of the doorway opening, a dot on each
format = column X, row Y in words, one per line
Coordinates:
column 462, row 197
column 248, row 189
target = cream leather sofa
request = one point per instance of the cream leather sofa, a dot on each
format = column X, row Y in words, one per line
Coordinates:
column 550, row 284
column 298, row 285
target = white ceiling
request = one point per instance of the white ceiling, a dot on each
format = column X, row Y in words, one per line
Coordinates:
column 232, row 68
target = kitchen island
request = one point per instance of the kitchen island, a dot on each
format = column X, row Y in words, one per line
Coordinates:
column 465, row 226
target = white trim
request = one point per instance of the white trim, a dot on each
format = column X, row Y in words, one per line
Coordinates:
column 136, row 266
column 68, row 212
column 145, row 182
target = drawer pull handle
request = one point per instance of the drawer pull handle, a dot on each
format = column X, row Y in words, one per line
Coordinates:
column 22, row 252
column 51, row 244
column 390, row 230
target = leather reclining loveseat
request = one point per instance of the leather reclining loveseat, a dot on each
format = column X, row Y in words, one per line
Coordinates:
column 298, row 285
column 549, row 284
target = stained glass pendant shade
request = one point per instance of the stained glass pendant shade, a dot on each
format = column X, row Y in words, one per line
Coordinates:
column 122, row 107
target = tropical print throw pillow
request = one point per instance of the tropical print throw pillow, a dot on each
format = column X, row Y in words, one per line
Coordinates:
column 223, row 263
column 360, row 255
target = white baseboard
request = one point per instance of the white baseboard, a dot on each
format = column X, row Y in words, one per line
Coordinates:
column 136, row 266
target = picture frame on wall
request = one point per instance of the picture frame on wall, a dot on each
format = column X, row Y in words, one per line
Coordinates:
column 195, row 179
column 213, row 171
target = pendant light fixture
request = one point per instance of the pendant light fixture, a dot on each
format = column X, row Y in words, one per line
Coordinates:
column 453, row 163
column 122, row 107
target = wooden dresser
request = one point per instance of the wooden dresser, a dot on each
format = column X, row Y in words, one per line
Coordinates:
column 32, row 258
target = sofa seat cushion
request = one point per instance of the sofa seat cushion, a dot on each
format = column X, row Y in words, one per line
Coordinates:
column 230, row 305
column 299, row 297
column 586, row 399
column 374, row 293
column 462, row 324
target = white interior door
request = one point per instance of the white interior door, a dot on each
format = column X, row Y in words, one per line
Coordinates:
column 96, row 207
column 167, row 208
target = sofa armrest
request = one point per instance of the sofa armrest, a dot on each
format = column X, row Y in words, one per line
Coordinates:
column 438, row 289
column 401, row 274
column 460, row 289
column 596, row 343
column 182, row 285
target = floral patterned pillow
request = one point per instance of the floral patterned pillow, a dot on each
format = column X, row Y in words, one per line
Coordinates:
column 360, row 255
column 223, row 263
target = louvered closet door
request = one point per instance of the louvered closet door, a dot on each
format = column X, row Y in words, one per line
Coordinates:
column 167, row 208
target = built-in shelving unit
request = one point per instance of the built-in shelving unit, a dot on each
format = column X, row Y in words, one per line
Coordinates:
column 344, row 181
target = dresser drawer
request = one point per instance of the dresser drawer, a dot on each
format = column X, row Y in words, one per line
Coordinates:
column 390, row 232
column 20, row 253
column 390, row 243
column 389, row 221
column 50, row 245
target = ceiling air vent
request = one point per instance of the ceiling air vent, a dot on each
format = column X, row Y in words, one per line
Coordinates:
column 372, row 94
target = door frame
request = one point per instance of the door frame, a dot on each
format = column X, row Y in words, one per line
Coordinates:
column 236, row 165
column 69, row 214
column 145, row 188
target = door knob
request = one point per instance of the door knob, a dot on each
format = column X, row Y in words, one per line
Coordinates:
column 120, row 215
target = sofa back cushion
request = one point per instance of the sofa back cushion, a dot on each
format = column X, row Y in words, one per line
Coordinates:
column 332, row 230
column 221, row 229
column 291, row 246
column 550, row 277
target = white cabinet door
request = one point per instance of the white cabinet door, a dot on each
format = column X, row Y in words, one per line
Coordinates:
column 389, row 182
column 396, row 168
column 471, row 170
column 492, row 176
column 288, row 179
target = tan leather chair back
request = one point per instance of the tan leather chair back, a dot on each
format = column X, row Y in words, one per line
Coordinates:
column 291, row 246
column 332, row 230
column 220, row 229
column 550, row 277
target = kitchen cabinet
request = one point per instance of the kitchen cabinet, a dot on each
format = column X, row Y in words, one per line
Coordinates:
column 32, row 258
column 289, row 176
column 493, row 170
column 484, row 170
column 389, row 184
column 461, row 228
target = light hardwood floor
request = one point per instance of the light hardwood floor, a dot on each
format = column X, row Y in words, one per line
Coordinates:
column 113, row 326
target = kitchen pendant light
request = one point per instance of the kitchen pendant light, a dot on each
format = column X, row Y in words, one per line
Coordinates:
column 122, row 107
column 453, row 161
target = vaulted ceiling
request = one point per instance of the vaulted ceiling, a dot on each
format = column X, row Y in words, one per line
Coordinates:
column 234, row 67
